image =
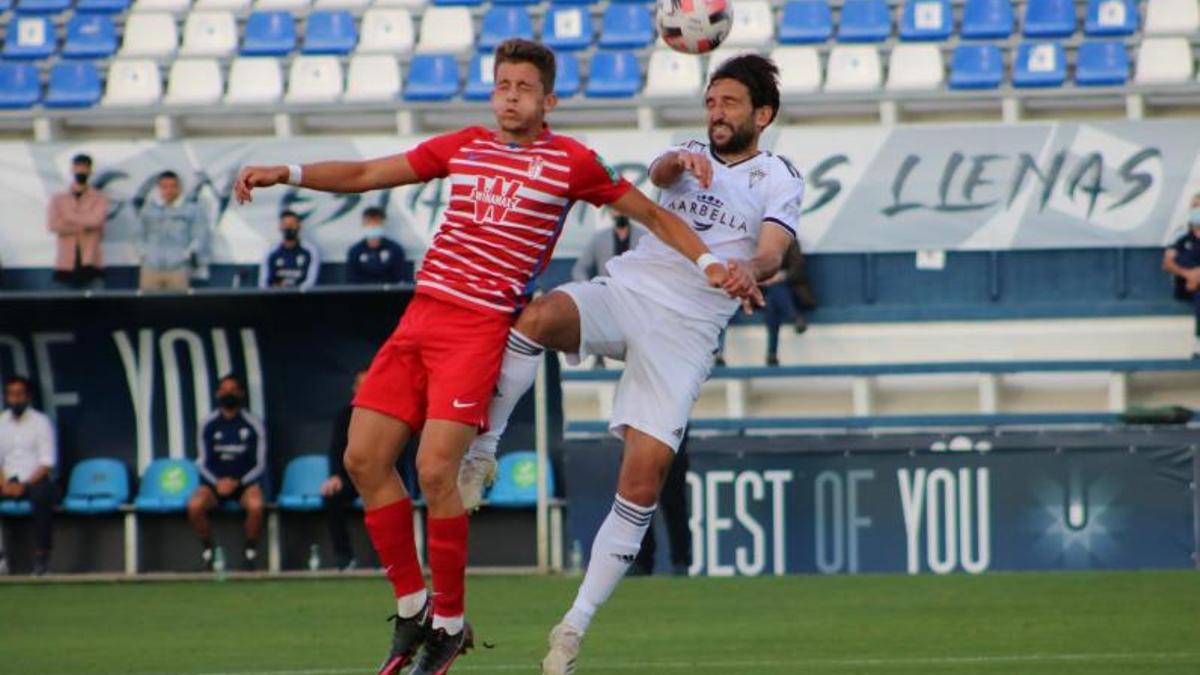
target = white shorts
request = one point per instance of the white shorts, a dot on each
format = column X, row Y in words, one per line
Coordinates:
column 667, row 355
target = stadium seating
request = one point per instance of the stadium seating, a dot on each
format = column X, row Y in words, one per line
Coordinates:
column 132, row 82
column 410, row 5
column 315, row 79
column 211, row 33
column 721, row 55
column 102, row 6
column 15, row 507
column 799, row 70
column 30, row 37
column 152, row 35
column 853, row 68
column 235, row 6
column 446, row 30
column 291, row 6
column 90, row 36
column 480, row 78
column 254, row 80
column 915, row 68
column 671, row 74
column 1049, row 18
column 865, row 21
column 269, row 34
column 976, row 66
column 626, row 27
column 567, row 28
column 73, row 84
column 372, row 78
column 516, row 480
column 194, row 82
column 1039, row 64
column 1111, row 18
column 1101, row 63
column 1166, row 60
column 19, row 85
column 42, row 6
column 926, row 20
column 615, row 74
column 567, row 81
column 432, row 77
column 166, row 486
column 753, row 25
column 502, row 23
column 302, row 480
column 805, row 21
column 330, row 31
column 1172, row 17
column 99, row 485
column 987, row 19
column 386, row 31
column 352, row 5
column 176, row 7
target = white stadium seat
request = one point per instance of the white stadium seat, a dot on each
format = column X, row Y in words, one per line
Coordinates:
column 254, row 80
column 412, row 5
column 915, row 67
column 852, row 69
column 1165, row 60
column 799, row 70
column 721, row 55
column 386, row 31
column 285, row 5
column 235, row 6
column 446, row 30
column 150, row 34
column 372, row 77
column 753, row 25
column 209, row 34
column 1172, row 17
column 314, row 79
column 342, row 4
column 672, row 74
column 176, row 7
column 133, row 82
column 194, row 82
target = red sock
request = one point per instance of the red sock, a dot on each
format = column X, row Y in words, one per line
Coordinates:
column 391, row 531
column 448, row 564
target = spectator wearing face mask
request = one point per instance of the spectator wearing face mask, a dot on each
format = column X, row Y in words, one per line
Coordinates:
column 293, row 263
column 375, row 259
column 77, row 216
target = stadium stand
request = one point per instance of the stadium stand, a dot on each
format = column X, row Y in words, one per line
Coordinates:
column 501, row 23
column 805, row 21
column 371, row 78
column 386, row 31
column 976, row 66
column 302, row 480
column 73, row 84
column 99, row 485
column 19, row 85
column 615, row 74
column 90, row 36
column 434, row 77
column 567, row 28
column 194, row 82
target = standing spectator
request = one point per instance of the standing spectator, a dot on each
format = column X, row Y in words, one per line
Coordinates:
column 674, row 508
column 293, row 263
column 787, row 296
column 77, row 216
column 28, row 454
column 375, row 259
column 338, row 490
column 1182, row 260
column 604, row 246
column 174, row 238
column 232, row 459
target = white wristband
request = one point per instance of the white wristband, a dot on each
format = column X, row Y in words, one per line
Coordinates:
column 295, row 174
column 707, row 259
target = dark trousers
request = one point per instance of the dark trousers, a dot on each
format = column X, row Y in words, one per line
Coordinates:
column 780, row 309
column 337, row 509
column 42, row 496
column 672, row 504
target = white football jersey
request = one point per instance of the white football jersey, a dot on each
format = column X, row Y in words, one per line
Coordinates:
column 727, row 216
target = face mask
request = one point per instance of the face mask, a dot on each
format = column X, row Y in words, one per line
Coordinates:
column 18, row 409
column 229, row 400
column 291, row 235
column 372, row 233
column 81, row 178
column 1194, row 218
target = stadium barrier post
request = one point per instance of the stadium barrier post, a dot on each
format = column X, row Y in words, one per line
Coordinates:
column 131, row 543
column 541, row 420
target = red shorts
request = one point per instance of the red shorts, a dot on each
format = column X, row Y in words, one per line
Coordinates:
column 440, row 363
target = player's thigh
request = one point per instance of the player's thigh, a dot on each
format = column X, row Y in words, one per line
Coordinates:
column 375, row 440
column 602, row 319
column 203, row 499
column 644, row 467
column 551, row 320
column 463, row 360
column 252, row 498
column 395, row 384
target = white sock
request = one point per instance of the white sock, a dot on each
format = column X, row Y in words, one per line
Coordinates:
column 453, row 625
column 410, row 605
column 521, row 360
column 614, row 550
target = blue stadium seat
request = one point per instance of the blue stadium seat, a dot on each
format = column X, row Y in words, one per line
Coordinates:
column 99, row 485
column 567, row 28
column 302, row 480
column 15, row 507
column 516, row 480
column 432, row 77
column 516, row 2
column 805, row 21
column 976, row 67
column 458, row 3
column 30, row 37
column 5, row 5
column 1101, row 63
column 566, row 80
column 865, row 21
column 626, row 27
column 1111, row 18
column 103, row 6
column 1049, row 18
column 269, row 34
column 43, row 6
column 1039, row 64
column 330, row 31
column 479, row 78
column 73, row 84
column 987, row 19
column 502, row 23
column 166, row 486
column 926, row 20
column 571, row 2
column 615, row 74
column 19, row 85
column 90, row 36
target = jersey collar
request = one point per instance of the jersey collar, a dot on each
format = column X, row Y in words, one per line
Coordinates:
column 541, row 137
column 727, row 164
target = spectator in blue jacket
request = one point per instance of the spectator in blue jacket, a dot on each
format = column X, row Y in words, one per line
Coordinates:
column 1182, row 261
column 375, row 259
column 293, row 263
column 232, row 459
column 174, row 238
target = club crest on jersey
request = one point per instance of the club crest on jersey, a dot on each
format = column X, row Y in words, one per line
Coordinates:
column 536, row 165
column 493, row 197
column 756, row 176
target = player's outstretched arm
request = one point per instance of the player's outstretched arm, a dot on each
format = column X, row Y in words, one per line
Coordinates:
column 666, row 170
column 371, row 174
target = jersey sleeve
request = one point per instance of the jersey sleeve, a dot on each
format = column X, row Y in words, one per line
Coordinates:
column 594, row 181
column 787, row 193
column 431, row 159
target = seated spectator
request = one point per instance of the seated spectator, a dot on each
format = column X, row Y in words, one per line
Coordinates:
column 376, row 259
column 604, row 246
column 28, row 454
column 232, row 458
column 787, row 296
column 293, row 263
column 174, row 237
column 1182, row 260
column 77, row 216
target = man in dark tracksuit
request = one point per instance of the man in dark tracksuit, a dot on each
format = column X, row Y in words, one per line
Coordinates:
column 294, row 263
column 1182, row 260
column 375, row 259
column 232, row 459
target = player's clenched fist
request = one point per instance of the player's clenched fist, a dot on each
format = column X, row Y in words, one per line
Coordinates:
column 252, row 177
column 740, row 283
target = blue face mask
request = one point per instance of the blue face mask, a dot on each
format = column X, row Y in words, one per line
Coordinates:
column 372, row 233
column 1194, row 218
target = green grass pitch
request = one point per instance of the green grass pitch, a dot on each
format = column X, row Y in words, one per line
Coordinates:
column 1142, row 622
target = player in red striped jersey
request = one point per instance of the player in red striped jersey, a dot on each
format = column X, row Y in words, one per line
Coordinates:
column 511, row 189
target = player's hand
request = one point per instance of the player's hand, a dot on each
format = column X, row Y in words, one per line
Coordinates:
column 251, row 177
column 717, row 274
column 742, row 284
column 331, row 486
column 226, row 487
column 697, row 164
column 18, row 490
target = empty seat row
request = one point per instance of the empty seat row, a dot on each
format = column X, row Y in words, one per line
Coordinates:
column 180, row 7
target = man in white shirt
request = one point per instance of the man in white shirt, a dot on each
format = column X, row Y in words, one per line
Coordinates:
column 28, row 453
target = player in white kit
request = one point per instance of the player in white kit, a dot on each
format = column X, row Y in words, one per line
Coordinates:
column 657, row 312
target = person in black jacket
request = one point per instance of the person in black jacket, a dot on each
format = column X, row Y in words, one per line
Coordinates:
column 375, row 259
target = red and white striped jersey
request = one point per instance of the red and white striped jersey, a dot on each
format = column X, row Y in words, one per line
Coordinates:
column 506, row 210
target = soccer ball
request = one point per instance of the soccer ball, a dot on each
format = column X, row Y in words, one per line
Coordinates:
column 694, row 26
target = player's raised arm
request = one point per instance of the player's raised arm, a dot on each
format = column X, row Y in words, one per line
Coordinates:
column 668, row 169
column 360, row 176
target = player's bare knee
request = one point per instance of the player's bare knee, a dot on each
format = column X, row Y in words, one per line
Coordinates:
column 363, row 463
column 535, row 321
column 640, row 491
column 436, row 475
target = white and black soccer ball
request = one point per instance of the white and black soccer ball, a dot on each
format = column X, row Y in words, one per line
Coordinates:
column 694, row 26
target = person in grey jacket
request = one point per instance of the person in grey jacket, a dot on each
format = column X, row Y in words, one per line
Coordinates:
column 174, row 237
column 604, row 246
